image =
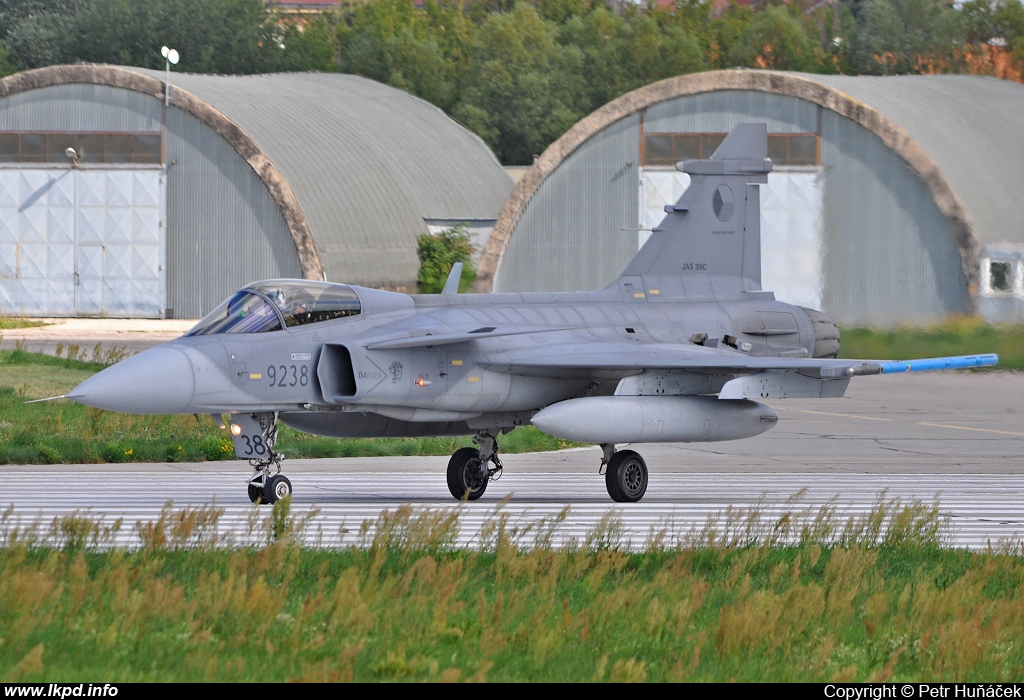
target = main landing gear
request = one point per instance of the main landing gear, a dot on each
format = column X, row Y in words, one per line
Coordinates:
column 625, row 474
column 469, row 468
column 265, row 488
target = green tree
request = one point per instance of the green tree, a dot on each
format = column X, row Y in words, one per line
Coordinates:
column 37, row 32
column 438, row 253
column 837, row 36
column 621, row 53
column 909, row 36
column 774, row 39
column 521, row 93
column 423, row 51
column 6, row 66
column 996, row 22
column 212, row 36
column 723, row 33
column 560, row 11
column 315, row 47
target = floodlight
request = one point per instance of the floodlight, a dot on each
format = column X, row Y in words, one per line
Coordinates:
column 170, row 58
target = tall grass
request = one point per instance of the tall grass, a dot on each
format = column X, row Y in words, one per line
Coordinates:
column 852, row 599
column 959, row 335
column 12, row 322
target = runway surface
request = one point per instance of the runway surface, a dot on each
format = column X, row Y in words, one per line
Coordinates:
column 951, row 439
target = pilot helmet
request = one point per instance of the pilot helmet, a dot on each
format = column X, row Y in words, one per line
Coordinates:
column 277, row 296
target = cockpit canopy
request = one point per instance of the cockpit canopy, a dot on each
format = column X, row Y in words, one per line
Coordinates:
column 272, row 305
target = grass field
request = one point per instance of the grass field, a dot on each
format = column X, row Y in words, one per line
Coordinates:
column 955, row 336
column 12, row 322
column 872, row 599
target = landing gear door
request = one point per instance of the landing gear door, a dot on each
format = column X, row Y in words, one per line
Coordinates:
column 247, row 437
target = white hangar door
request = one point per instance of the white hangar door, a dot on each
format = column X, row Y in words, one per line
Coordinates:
column 82, row 242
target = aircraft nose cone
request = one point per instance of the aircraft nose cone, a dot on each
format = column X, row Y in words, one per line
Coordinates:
column 159, row 380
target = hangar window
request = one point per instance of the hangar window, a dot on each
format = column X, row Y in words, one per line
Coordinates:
column 91, row 147
column 783, row 149
column 1002, row 272
column 1000, row 276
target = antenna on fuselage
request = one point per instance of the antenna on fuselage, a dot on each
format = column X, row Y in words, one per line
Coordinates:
column 451, row 285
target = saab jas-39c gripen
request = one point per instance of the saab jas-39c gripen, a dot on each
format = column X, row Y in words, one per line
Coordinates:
column 679, row 348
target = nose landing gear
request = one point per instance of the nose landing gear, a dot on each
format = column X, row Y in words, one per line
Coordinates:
column 254, row 436
column 468, row 470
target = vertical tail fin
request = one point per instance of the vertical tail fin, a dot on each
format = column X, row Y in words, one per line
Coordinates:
column 712, row 235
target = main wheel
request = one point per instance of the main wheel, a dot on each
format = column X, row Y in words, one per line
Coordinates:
column 626, row 478
column 256, row 494
column 277, row 487
column 466, row 480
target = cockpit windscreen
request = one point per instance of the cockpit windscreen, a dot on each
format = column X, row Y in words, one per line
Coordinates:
column 275, row 304
column 243, row 312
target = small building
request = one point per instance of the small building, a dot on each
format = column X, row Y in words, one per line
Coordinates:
column 121, row 196
column 893, row 199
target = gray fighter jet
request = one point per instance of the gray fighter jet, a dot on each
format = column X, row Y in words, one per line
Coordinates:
column 679, row 348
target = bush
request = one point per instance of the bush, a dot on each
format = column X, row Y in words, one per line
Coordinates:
column 438, row 253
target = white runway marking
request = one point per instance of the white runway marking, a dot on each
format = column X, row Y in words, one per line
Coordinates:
column 983, row 510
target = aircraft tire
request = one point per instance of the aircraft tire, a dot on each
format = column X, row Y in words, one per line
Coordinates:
column 277, row 487
column 626, row 477
column 256, row 494
column 463, row 475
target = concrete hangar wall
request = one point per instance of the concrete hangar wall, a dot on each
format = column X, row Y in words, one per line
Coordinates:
column 173, row 204
column 894, row 199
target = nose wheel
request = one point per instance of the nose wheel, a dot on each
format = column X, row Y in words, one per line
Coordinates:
column 256, row 493
column 470, row 468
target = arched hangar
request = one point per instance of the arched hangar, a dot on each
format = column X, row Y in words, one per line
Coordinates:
column 893, row 199
column 121, row 197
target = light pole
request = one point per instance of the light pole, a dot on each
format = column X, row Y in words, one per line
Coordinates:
column 170, row 57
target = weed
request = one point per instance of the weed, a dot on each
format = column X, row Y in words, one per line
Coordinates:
column 187, row 528
column 405, row 530
column 862, row 598
column 12, row 322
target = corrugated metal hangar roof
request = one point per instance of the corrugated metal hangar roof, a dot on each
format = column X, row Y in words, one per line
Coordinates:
column 970, row 125
column 367, row 163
